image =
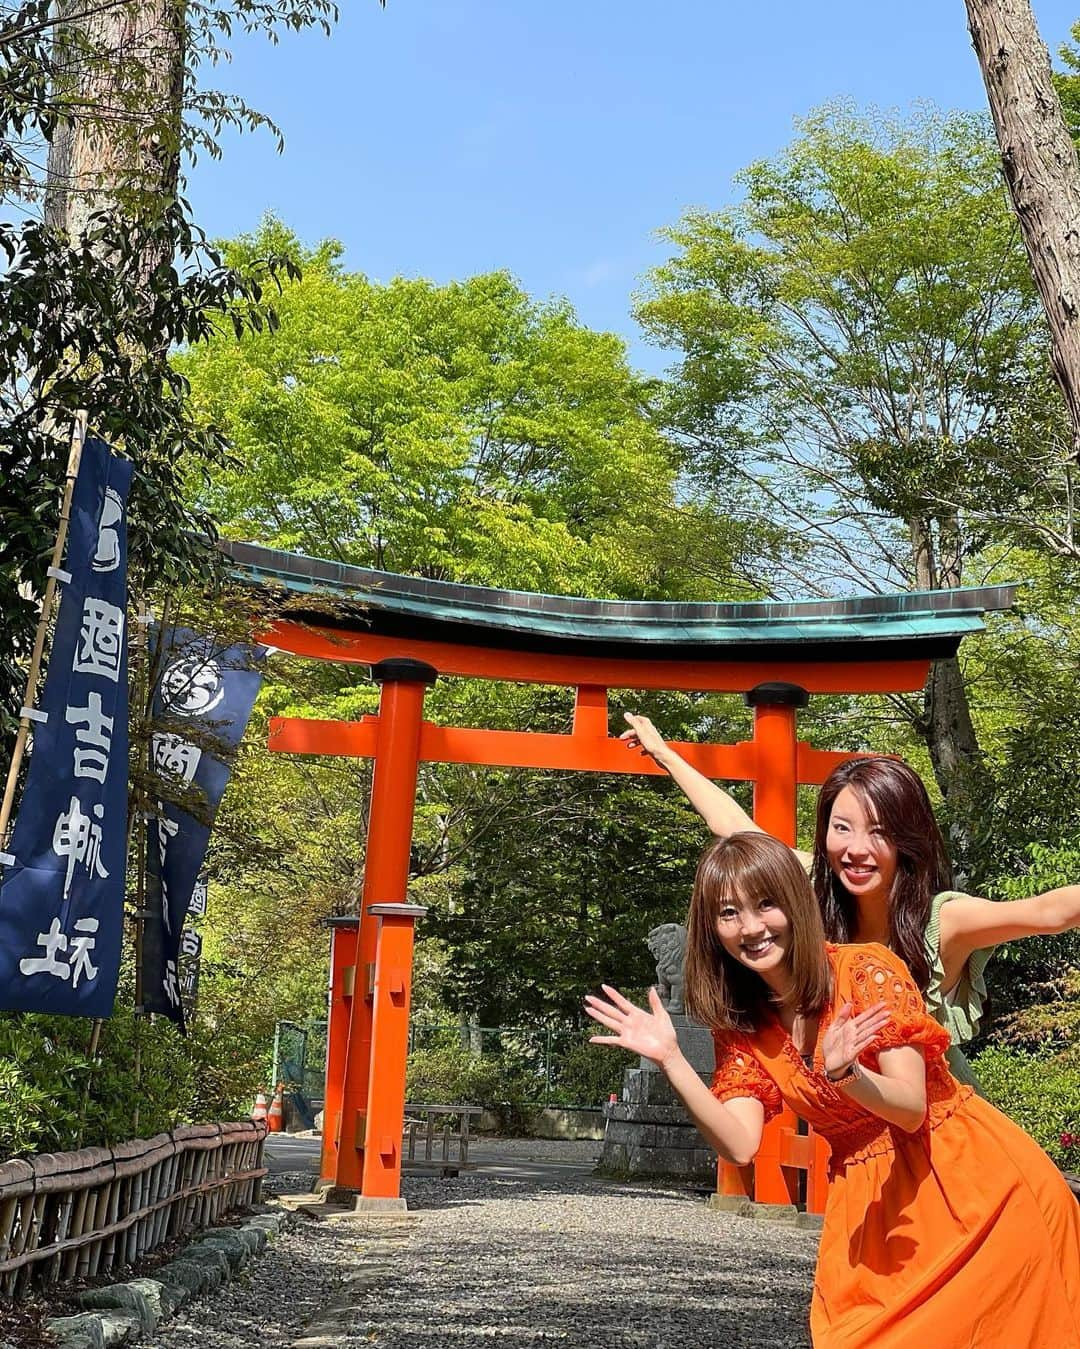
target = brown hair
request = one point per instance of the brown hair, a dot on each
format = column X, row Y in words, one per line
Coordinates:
column 721, row 992
column 894, row 795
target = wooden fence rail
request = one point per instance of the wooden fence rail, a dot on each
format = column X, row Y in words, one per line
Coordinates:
column 424, row 1128
column 77, row 1214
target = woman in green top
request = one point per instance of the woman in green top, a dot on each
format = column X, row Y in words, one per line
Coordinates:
column 881, row 873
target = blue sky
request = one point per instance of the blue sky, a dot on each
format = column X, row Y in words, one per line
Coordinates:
column 441, row 138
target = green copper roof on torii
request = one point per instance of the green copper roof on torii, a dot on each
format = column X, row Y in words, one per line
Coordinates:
column 918, row 622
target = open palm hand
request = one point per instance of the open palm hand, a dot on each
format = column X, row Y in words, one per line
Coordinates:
column 649, row 1033
column 850, row 1035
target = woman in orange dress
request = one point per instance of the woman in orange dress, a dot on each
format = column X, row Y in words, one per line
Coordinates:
column 946, row 1226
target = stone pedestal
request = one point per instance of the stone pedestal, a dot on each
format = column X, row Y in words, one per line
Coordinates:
column 648, row 1132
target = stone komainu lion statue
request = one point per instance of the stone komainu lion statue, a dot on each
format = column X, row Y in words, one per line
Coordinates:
column 668, row 944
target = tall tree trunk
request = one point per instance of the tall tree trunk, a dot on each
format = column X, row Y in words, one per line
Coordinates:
column 1041, row 169
column 121, row 79
column 946, row 724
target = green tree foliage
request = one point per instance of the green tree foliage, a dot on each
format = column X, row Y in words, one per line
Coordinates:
column 547, row 1068
column 461, row 431
column 847, row 333
column 1067, row 81
column 75, row 333
column 562, row 897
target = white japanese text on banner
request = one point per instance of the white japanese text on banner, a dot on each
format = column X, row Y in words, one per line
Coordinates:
column 62, row 897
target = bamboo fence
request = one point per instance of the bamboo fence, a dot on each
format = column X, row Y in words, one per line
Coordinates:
column 75, row 1215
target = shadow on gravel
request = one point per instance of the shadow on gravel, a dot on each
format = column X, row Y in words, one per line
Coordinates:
column 641, row 1293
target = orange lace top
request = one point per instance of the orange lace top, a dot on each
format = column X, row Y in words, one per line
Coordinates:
column 738, row 1073
column 766, row 1065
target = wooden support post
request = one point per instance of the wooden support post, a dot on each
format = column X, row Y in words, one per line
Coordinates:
column 343, row 934
column 817, row 1177
column 386, row 878
column 776, row 785
column 389, row 1049
column 591, row 711
column 78, row 435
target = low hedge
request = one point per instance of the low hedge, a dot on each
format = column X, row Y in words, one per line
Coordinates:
column 1042, row 1094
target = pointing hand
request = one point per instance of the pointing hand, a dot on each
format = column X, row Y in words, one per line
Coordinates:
column 643, row 735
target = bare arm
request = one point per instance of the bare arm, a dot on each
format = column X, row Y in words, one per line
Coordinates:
column 896, row 1093
column 969, row 924
column 732, row 1128
column 722, row 814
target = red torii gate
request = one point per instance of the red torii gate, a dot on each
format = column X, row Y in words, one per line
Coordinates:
column 410, row 631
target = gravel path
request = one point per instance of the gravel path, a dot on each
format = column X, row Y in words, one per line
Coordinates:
column 299, row 1274
column 521, row 1260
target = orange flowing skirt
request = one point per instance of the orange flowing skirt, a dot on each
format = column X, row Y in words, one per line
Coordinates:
column 962, row 1237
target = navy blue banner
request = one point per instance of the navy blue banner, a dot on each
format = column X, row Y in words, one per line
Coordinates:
column 62, row 889
column 201, row 707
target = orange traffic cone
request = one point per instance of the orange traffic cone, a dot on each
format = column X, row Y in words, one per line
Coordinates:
column 274, row 1118
column 259, row 1109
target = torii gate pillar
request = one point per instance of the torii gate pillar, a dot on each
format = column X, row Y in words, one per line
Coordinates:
column 386, row 877
column 385, row 1122
column 773, row 1179
column 776, row 755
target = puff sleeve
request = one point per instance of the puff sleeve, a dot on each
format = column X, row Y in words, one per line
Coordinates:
column 738, row 1073
column 875, row 974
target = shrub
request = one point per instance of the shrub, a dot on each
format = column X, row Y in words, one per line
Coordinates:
column 55, row 1097
column 585, row 1074
column 1042, row 1095
column 450, row 1074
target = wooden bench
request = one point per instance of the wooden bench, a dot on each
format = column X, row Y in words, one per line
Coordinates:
column 421, row 1122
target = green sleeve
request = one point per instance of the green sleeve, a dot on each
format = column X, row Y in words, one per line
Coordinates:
column 961, row 1011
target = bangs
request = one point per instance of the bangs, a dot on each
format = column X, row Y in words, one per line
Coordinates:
column 749, row 877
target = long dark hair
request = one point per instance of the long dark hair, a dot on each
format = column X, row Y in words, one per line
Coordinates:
column 720, row 992
column 894, row 796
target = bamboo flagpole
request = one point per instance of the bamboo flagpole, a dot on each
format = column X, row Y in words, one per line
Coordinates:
column 150, row 668
column 137, row 800
column 78, row 435
column 150, row 665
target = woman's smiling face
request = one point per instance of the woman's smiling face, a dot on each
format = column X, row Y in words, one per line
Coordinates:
column 756, row 933
column 859, row 853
